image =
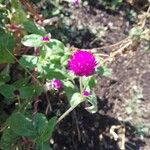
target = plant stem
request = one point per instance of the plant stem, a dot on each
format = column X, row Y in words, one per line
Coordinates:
column 19, row 102
column 65, row 114
column 81, row 87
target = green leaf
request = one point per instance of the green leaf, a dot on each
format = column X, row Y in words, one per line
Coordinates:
column 5, row 57
column 69, row 88
column 89, row 82
column 30, row 27
column 76, row 99
column 28, row 61
column 20, row 83
column 56, row 46
column 7, row 90
column 21, row 125
column 8, row 139
column 40, row 123
column 92, row 99
column 27, row 92
column 19, row 16
column 7, row 43
column 49, row 130
column 55, row 59
column 43, row 146
column 32, row 40
column 64, row 60
column 52, row 73
column 103, row 70
column 4, row 77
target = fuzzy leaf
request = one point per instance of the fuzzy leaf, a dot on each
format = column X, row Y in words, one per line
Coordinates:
column 43, row 146
column 93, row 101
column 103, row 70
column 7, row 90
column 56, row 46
column 8, row 139
column 48, row 130
column 40, row 123
column 76, row 99
column 28, row 61
column 21, row 125
column 32, row 28
column 69, row 89
column 7, row 43
column 32, row 40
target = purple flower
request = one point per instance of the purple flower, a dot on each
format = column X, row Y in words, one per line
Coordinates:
column 75, row 2
column 82, row 63
column 45, row 39
column 56, row 84
column 86, row 93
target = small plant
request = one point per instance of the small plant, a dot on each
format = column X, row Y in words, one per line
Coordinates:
column 44, row 65
column 47, row 66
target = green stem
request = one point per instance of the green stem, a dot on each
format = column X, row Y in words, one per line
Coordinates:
column 81, row 86
column 65, row 114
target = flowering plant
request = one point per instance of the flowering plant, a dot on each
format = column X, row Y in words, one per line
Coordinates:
column 46, row 66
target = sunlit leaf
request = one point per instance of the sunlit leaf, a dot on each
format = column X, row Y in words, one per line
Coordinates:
column 32, row 40
column 92, row 99
column 76, row 99
column 29, row 61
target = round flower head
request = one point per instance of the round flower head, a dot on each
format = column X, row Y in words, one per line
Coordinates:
column 82, row 63
column 86, row 93
column 45, row 39
column 56, row 84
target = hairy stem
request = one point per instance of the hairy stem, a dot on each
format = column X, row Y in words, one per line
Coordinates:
column 65, row 114
column 81, row 86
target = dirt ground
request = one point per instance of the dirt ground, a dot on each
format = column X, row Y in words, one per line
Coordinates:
column 123, row 99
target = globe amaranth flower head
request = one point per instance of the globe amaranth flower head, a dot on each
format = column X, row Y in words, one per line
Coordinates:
column 86, row 93
column 82, row 63
column 56, row 84
column 45, row 39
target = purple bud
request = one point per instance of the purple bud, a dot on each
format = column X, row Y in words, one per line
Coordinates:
column 75, row 2
column 45, row 39
column 56, row 84
column 86, row 93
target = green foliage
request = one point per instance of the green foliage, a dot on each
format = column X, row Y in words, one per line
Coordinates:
column 92, row 99
column 47, row 133
column 32, row 40
column 8, row 139
column 103, row 70
column 43, row 146
column 28, row 61
column 76, row 99
column 50, row 62
column 30, row 27
column 24, row 129
column 7, row 43
column 7, row 91
column 69, row 88
column 39, row 130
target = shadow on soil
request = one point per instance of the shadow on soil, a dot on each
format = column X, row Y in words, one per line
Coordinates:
column 84, row 131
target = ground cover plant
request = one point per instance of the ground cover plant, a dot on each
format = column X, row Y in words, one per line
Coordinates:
column 74, row 74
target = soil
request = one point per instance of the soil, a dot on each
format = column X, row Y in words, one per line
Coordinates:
column 123, row 99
